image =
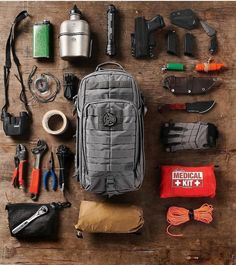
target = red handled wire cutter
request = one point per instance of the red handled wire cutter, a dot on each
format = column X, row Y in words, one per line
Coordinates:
column 18, row 180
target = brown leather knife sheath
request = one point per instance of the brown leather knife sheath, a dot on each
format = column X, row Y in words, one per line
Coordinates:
column 190, row 85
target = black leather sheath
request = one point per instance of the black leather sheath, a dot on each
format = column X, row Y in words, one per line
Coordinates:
column 190, row 85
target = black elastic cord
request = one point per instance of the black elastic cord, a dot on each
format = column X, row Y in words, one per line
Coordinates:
column 10, row 47
column 191, row 214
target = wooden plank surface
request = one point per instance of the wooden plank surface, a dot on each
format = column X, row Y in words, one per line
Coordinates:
column 214, row 244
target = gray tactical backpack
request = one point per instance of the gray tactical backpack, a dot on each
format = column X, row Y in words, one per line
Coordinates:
column 110, row 132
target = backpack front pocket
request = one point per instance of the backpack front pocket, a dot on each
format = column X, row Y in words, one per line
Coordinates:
column 109, row 136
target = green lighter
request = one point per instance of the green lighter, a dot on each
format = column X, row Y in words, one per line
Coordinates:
column 42, row 40
column 173, row 67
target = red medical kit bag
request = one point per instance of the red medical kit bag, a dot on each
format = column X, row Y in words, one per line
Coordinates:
column 181, row 181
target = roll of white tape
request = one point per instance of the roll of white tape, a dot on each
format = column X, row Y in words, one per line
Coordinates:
column 55, row 122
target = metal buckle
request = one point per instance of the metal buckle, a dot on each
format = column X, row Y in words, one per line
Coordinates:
column 110, row 183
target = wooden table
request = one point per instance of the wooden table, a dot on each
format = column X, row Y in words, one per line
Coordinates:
column 213, row 244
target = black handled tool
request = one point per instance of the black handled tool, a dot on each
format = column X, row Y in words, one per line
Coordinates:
column 111, row 30
column 213, row 45
column 63, row 153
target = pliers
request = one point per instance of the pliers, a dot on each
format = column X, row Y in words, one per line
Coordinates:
column 50, row 173
column 19, row 171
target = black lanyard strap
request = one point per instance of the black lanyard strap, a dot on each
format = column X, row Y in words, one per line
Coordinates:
column 10, row 48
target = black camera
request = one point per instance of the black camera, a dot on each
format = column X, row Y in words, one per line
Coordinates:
column 15, row 126
column 143, row 39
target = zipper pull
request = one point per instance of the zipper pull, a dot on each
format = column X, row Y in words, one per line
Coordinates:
column 75, row 98
column 41, row 211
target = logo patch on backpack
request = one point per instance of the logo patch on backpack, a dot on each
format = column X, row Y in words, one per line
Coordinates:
column 109, row 119
column 187, row 179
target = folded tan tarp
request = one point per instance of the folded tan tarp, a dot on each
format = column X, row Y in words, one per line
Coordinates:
column 97, row 217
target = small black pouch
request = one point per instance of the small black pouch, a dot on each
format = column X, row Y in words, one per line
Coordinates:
column 172, row 42
column 189, row 45
column 30, row 220
column 213, row 135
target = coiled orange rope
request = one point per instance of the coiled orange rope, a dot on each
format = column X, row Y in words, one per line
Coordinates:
column 178, row 215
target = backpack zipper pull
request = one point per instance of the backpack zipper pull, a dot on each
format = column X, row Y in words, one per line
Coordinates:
column 75, row 104
column 41, row 211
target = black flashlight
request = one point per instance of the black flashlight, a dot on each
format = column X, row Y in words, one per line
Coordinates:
column 111, row 28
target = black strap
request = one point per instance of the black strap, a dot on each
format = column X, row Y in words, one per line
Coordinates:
column 191, row 214
column 10, row 47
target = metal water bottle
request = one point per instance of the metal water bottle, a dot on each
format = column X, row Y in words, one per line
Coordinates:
column 74, row 37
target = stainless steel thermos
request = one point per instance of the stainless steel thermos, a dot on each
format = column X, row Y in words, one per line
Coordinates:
column 74, row 37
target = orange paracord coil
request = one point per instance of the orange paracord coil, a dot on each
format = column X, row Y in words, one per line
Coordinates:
column 178, row 215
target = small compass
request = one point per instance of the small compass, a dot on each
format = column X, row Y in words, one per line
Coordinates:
column 41, row 84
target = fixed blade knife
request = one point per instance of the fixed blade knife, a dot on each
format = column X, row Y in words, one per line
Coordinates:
column 193, row 107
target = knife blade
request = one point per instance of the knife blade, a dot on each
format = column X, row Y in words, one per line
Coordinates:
column 210, row 31
column 193, row 107
column 200, row 106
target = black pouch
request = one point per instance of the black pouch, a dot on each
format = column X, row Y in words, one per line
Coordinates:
column 30, row 220
column 15, row 125
column 213, row 135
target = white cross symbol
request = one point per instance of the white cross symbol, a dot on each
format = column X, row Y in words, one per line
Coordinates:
column 197, row 183
column 177, row 183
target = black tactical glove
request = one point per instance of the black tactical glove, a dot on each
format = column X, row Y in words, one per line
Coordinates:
column 184, row 136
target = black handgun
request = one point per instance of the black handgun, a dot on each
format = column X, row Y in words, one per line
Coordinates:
column 142, row 40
